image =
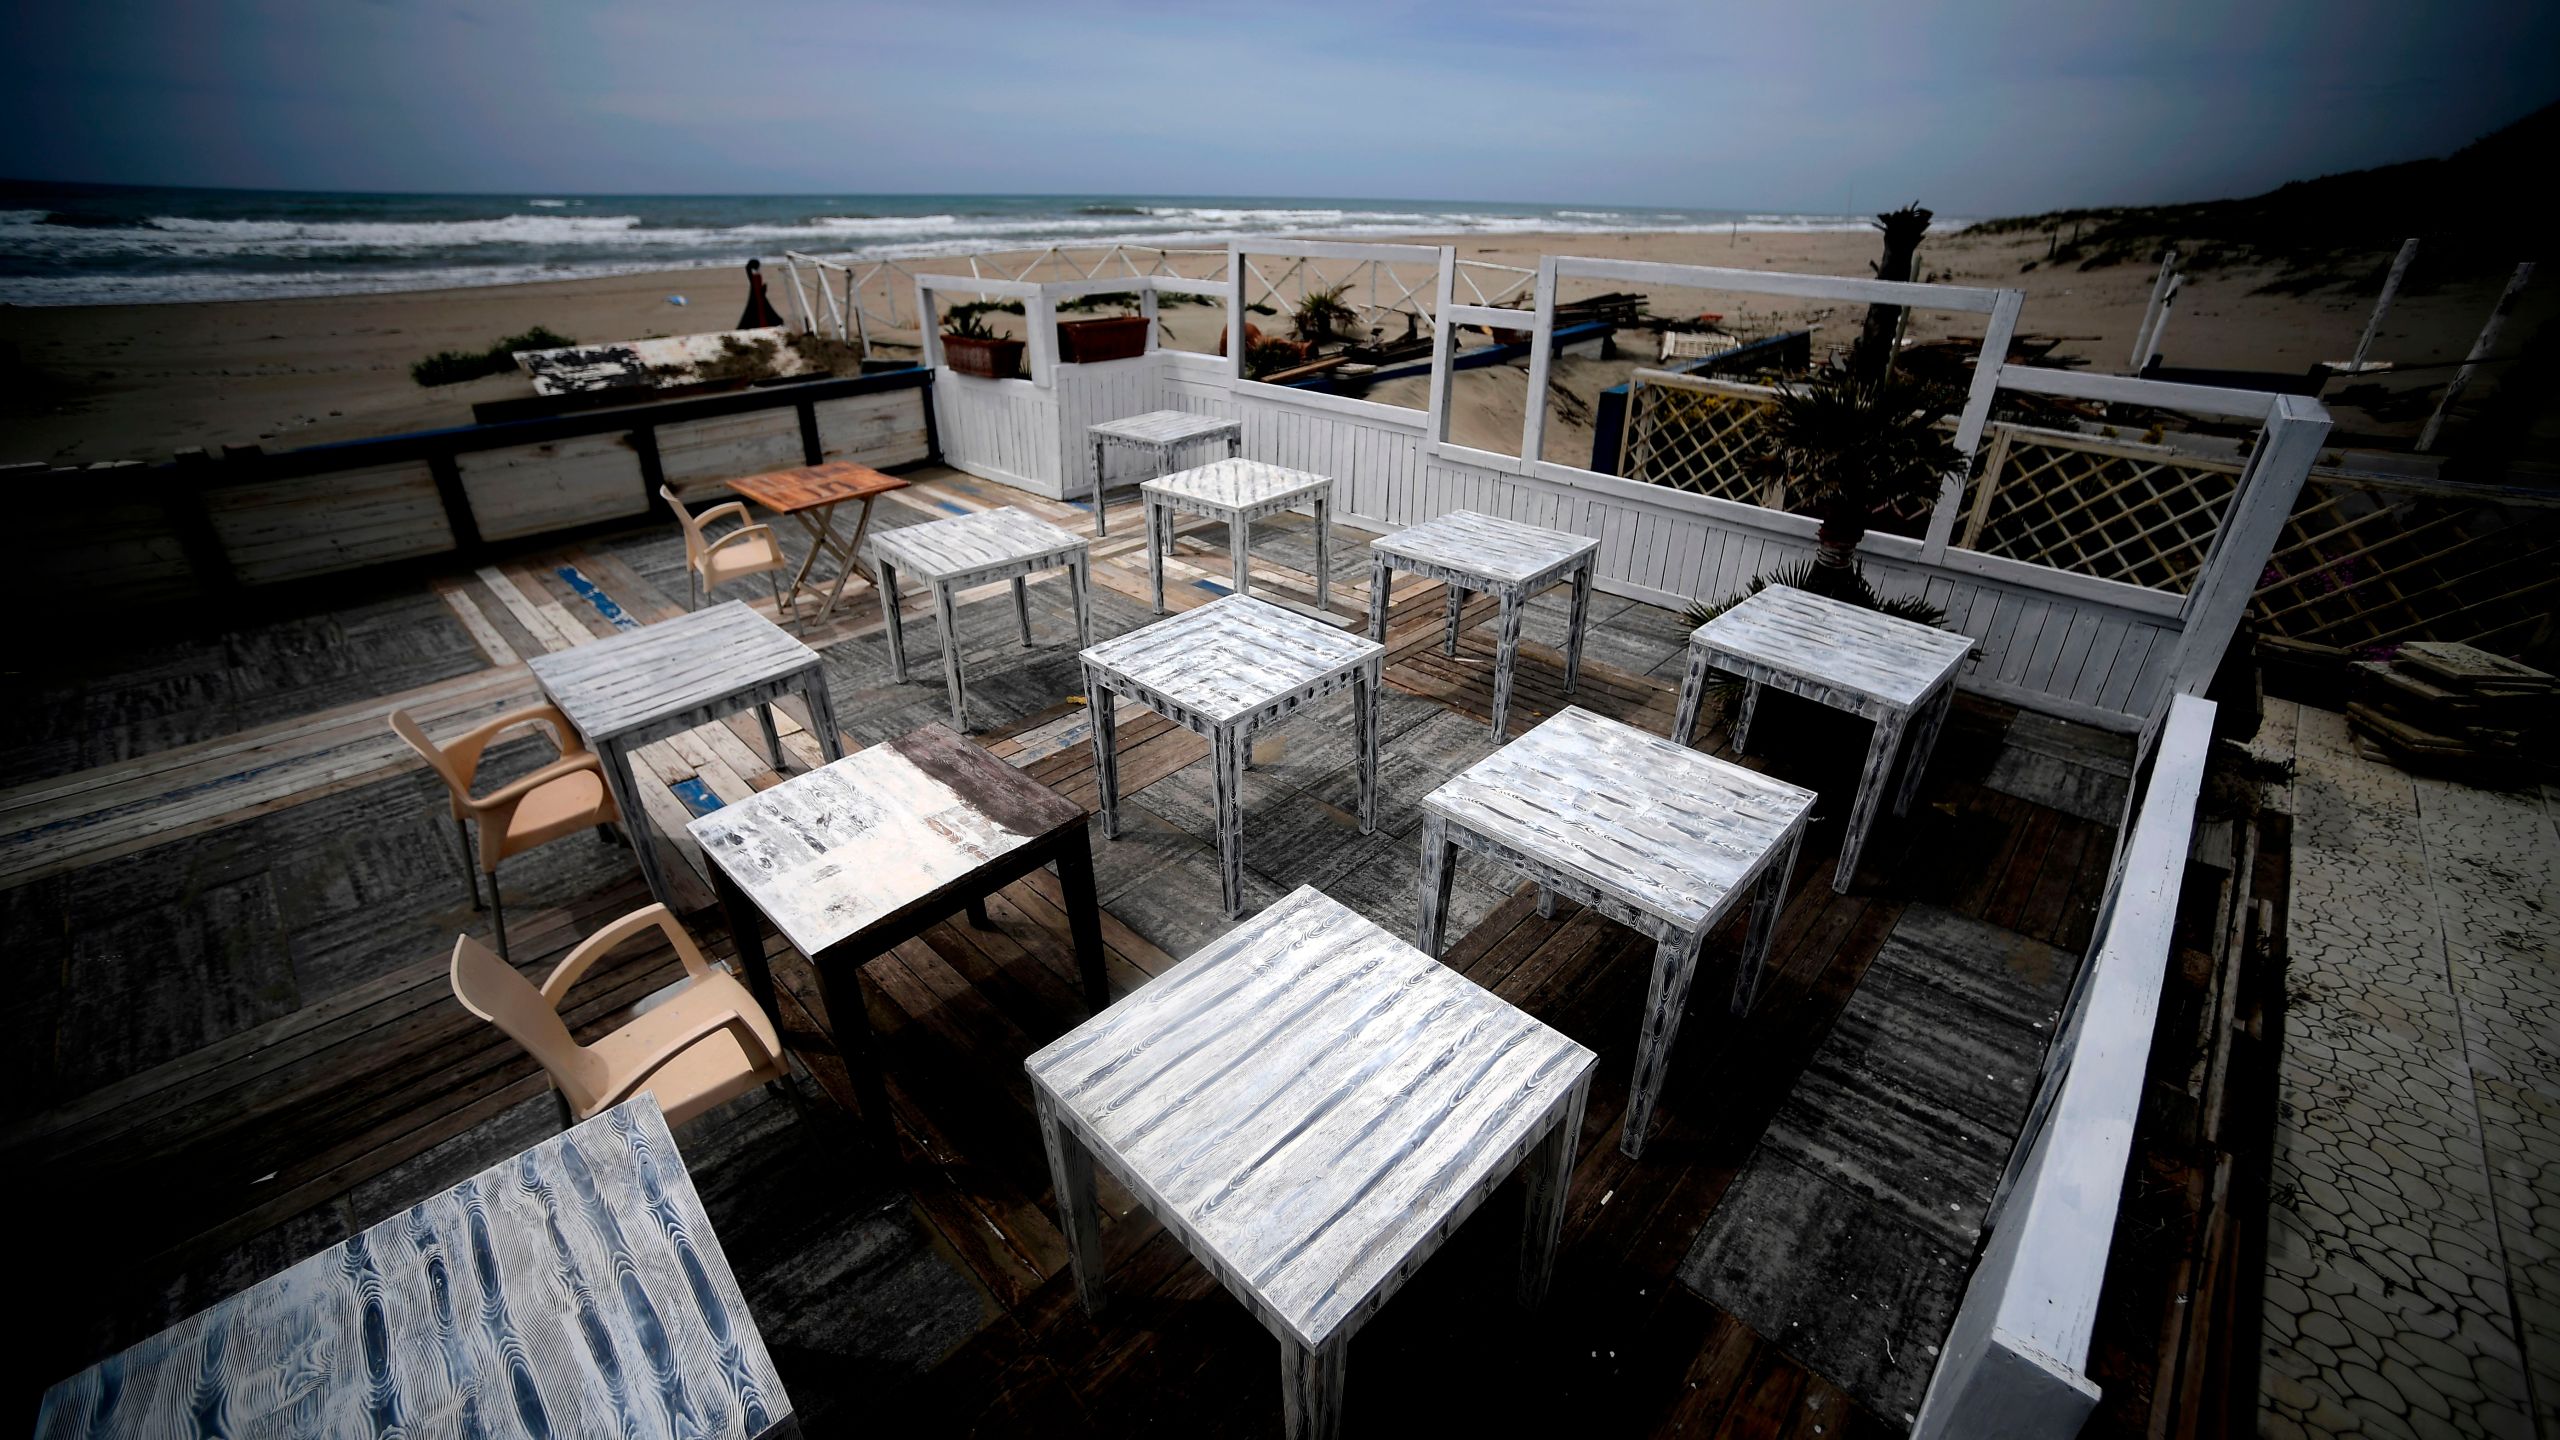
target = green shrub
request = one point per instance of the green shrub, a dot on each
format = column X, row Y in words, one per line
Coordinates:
column 452, row 367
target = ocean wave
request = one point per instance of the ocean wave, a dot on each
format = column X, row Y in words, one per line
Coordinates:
column 550, row 204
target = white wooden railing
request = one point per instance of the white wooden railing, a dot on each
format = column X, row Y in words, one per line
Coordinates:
column 2014, row 1363
column 2081, row 646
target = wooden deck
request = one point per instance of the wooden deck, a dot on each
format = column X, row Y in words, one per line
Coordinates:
column 233, row 1041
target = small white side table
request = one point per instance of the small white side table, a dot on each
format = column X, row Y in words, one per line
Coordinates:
column 1310, row 1106
column 1898, row 673
column 1467, row 551
column 1657, row 837
column 1224, row 671
column 1238, row 492
column 951, row 555
column 1159, row 435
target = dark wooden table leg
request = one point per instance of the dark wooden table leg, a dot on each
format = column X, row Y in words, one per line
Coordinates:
column 1084, row 915
column 746, row 933
column 840, row 988
column 978, row 914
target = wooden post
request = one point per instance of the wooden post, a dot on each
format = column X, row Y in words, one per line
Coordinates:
column 1977, row 413
column 1442, row 337
column 465, row 526
column 2479, row 352
column 2382, row 305
column 2151, row 308
column 1235, row 311
column 2160, row 324
column 2296, row 426
column 182, row 497
column 1542, row 336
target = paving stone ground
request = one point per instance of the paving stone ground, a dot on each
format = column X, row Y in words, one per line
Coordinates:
column 2413, row 1254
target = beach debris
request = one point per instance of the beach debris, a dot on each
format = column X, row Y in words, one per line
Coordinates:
column 2442, row 705
column 675, row 300
column 665, row 363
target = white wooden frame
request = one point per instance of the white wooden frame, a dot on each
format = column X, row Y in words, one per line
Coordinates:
column 2014, row 1363
column 1040, row 308
column 1240, row 299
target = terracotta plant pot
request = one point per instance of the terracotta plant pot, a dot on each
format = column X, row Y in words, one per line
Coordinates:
column 1082, row 342
column 986, row 359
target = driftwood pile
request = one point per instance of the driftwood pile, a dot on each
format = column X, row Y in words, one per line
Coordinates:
column 2442, row 705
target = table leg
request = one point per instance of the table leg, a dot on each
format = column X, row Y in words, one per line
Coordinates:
column 1742, row 718
column 1080, row 580
column 772, row 739
column 1079, row 1217
column 1159, row 540
column 1084, row 917
column 811, row 526
column 1768, row 901
column 1324, row 552
column 1368, row 699
column 1022, row 607
column 1546, row 903
column 884, row 577
column 1101, row 525
column 1506, row 659
column 1693, row 694
column 1226, row 754
column 746, row 937
column 976, row 910
column 1240, row 542
column 1439, row 871
column 1871, row 787
column 1311, row 1389
column 848, row 559
column 822, row 711
column 1235, row 442
column 1100, row 704
column 840, row 990
column 1924, row 738
column 616, row 764
column 1573, row 632
column 1457, row 602
column 1675, row 964
column 946, row 613
column 1549, row 1173
column 1382, row 582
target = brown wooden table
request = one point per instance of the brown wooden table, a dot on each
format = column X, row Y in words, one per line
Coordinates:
column 849, row 860
column 810, row 494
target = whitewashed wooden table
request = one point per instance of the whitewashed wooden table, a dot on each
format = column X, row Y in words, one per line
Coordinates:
column 856, row 857
column 952, row 555
column 1223, row 671
column 575, row 1289
column 1238, row 492
column 1511, row 561
column 1898, row 673
column 1653, row 835
column 660, row 680
column 1311, row 1106
column 1158, row 435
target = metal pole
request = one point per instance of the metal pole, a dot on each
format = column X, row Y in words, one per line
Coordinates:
column 2390, row 287
column 2479, row 351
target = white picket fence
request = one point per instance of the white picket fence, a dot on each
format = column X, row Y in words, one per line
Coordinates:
column 2078, row 646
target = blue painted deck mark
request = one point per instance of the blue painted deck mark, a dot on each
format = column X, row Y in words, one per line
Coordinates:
column 594, row 595
column 955, row 509
column 697, row 797
column 1213, row 587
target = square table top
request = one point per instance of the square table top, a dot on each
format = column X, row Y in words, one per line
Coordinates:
column 1486, row 545
column 1898, row 662
column 1232, row 656
column 1237, row 484
column 1662, row 828
column 966, row 544
column 806, row 487
column 609, row 686
column 468, row 1297
column 830, row 853
column 1311, row 1104
column 1165, row 427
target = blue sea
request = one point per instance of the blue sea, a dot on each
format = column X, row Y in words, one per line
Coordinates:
column 92, row 244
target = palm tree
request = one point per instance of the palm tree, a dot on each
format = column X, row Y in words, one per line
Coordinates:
column 1872, row 356
column 1847, row 448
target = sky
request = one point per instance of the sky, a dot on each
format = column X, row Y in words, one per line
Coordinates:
column 1974, row 107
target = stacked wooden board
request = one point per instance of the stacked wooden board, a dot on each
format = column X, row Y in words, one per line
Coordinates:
column 2437, row 703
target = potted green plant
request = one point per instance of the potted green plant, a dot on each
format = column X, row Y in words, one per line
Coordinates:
column 1847, row 448
column 972, row 347
column 1112, row 337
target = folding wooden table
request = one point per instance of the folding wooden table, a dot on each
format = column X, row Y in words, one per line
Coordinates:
column 810, row 494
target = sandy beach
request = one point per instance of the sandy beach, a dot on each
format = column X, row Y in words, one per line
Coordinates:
column 89, row 383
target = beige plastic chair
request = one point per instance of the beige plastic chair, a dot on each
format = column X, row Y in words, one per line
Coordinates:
column 567, row 795
column 705, row 1042
column 748, row 550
